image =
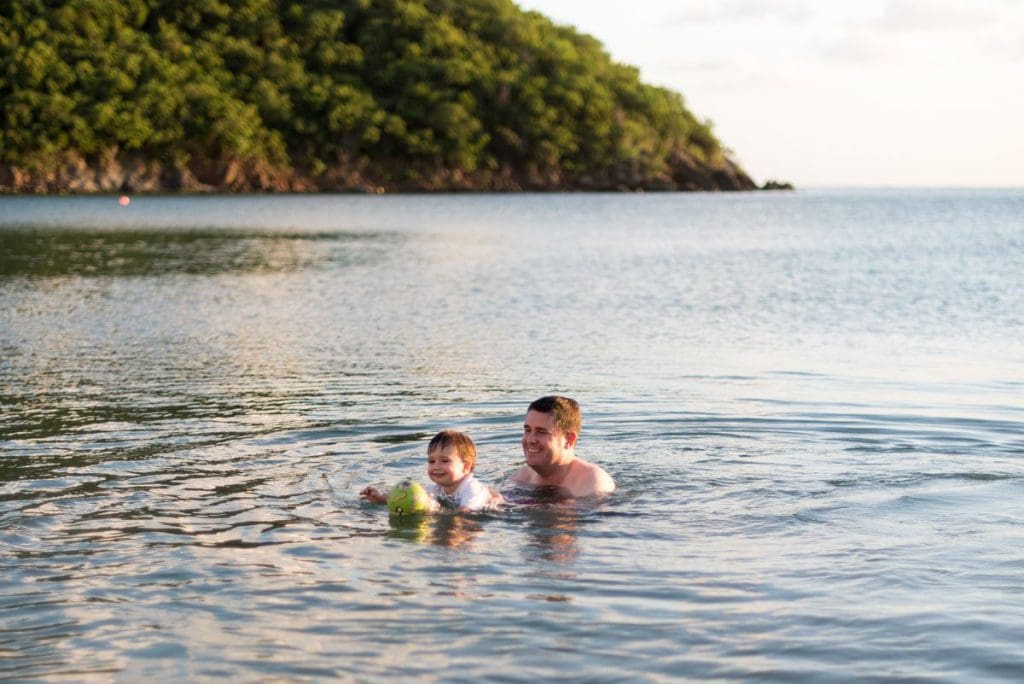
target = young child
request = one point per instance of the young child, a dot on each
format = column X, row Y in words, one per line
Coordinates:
column 451, row 458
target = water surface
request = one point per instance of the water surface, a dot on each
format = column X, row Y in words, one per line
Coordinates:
column 810, row 402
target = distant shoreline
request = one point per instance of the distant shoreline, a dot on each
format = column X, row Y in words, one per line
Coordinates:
column 137, row 175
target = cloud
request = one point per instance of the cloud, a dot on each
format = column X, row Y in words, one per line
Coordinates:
column 931, row 29
column 855, row 48
column 718, row 75
column 931, row 15
column 741, row 10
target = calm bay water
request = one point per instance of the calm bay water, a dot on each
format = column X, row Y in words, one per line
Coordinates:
column 811, row 402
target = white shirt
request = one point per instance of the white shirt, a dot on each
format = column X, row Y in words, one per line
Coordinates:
column 471, row 494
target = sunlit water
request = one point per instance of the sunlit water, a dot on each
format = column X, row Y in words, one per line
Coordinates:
column 811, row 403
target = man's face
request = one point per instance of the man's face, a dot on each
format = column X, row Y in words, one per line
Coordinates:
column 544, row 445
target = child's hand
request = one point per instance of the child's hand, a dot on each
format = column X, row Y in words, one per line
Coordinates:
column 496, row 498
column 373, row 495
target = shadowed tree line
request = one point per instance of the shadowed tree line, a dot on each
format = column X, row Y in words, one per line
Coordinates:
column 249, row 95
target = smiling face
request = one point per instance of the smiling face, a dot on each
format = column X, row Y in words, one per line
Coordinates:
column 446, row 468
column 545, row 446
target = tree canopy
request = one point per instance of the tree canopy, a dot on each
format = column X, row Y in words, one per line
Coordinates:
column 400, row 93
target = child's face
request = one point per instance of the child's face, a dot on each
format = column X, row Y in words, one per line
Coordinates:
column 445, row 468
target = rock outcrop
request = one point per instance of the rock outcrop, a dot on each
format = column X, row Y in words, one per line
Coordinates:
column 114, row 173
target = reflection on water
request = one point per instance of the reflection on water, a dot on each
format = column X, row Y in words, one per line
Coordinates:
column 810, row 403
column 444, row 529
column 54, row 253
column 456, row 530
column 552, row 533
column 414, row 528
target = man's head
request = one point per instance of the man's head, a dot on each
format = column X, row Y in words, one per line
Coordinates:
column 549, row 433
column 565, row 411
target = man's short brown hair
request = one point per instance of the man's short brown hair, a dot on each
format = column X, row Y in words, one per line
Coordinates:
column 565, row 411
column 462, row 443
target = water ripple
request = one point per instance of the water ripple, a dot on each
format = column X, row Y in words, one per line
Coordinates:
column 810, row 408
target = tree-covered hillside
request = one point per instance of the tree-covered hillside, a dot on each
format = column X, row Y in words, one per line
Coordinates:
column 142, row 95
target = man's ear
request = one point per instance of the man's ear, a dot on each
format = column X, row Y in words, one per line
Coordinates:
column 570, row 439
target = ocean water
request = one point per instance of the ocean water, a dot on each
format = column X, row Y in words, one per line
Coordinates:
column 811, row 403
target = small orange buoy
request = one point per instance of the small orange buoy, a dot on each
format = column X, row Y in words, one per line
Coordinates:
column 124, row 200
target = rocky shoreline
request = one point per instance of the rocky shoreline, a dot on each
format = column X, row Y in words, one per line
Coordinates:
column 132, row 173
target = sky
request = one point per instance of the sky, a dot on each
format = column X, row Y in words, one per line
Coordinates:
column 902, row 93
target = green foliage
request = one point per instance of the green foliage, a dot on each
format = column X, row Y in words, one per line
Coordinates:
column 430, row 84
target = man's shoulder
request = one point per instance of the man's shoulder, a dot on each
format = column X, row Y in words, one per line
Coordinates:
column 596, row 476
column 524, row 475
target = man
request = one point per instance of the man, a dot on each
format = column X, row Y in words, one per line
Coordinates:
column 549, row 444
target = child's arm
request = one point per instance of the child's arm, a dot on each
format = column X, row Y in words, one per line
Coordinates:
column 373, row 495
column 485, row 498
column 496, row 498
